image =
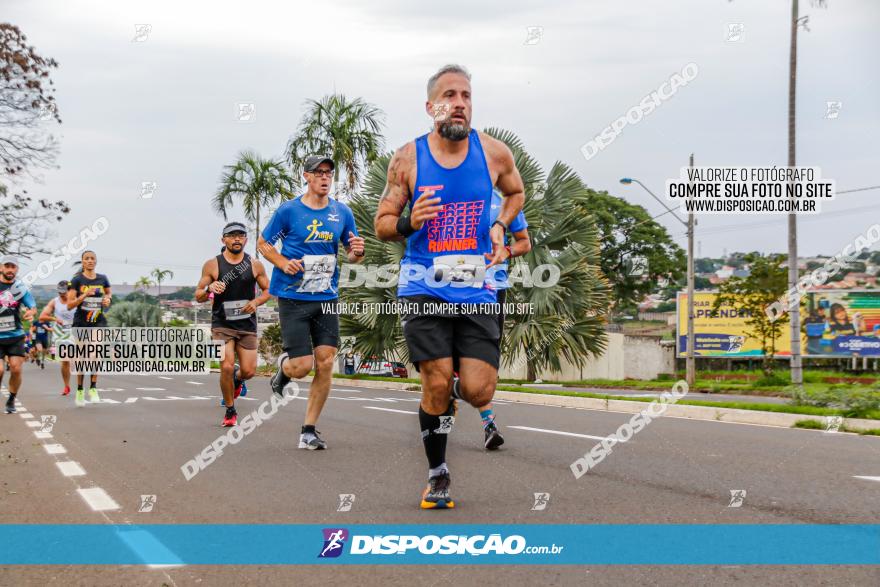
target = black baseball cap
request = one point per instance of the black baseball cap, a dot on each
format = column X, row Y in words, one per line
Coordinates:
column 234, row 227
column 63, row 286
column 314, row 161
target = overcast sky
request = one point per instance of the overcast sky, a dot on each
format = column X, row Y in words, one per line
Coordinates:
column 163, row 108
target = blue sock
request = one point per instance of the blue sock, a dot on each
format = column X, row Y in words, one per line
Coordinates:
column 487, row 417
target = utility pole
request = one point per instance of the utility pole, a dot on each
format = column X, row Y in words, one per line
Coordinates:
column 794, row 312
column 691, row 368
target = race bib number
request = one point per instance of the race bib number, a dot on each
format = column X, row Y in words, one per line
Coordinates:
column 61, row 333
column 7, row 323
column 234, row 310
column 460, row 270
column 317, row 273
column 92, row 304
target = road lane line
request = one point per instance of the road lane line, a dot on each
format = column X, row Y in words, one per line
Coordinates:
column 867, row 478
column 34, row 424
column 70, row 468
column 26, row 415
column 166, row 378
column 54, row 449
column 389, row 410
column 559, row 432
column 42, row 434
column 97, row 499
column 150, row 388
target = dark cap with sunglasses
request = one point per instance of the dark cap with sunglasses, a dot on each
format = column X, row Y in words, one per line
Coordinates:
column 234, row 227
column 314, row 161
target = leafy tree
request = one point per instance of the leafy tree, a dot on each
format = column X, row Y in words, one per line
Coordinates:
column 348, row 131
column 27, row 109
column 705, row 265
column 257, row 182
column 627, row 230
column 767, row 282
column 182, row 293
column 569, row 317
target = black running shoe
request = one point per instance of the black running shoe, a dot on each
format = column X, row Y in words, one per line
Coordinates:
column 436, row 494
column 311, row 441
column 10, row 404
column 493, row 436
column 279, row 381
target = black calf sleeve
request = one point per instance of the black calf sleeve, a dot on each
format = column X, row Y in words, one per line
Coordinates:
column 435, row 430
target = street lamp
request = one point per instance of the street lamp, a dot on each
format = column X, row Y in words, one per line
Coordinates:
column 689, row 361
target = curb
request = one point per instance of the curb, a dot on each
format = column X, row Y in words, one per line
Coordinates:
column 732, row 415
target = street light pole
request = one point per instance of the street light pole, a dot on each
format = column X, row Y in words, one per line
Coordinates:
column 690, row 362
column 691, row 368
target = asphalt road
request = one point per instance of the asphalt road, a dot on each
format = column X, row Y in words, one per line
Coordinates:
column 674, row 471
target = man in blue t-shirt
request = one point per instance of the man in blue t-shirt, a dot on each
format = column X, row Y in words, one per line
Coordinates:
column 306, row 280
column 13, row 295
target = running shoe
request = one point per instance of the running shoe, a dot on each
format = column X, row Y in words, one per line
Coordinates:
column 93, row 396
column 436, row 494
column 311, row 441
column 10, row 404
column 493, row 437
column 236, row 382
column 230, row 418
column 279, row 381
column 80, row 398
column 42, row 364
column 244, row 388
column 66, row 390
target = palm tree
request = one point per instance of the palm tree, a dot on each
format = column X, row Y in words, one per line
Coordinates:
column 258, row 182
column 569, row 318
column 134, row 314
column 143, row 284
column 160, row 275
column 347, row 131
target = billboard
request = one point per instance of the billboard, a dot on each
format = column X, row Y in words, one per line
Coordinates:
column 835, row 323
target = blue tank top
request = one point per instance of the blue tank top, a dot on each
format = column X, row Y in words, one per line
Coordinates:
column 445, row 258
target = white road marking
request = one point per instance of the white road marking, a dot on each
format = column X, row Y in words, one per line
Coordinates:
column 26, row 415
column 150, row 388
column 131, row 400
column 389, row 410
column 165, row 378
column 195, row 382
column 54, row 449
column 98, row 499
column 34, row 424
column 42, row 435
column 70, row 468
column 867, row 478
column 559, row 432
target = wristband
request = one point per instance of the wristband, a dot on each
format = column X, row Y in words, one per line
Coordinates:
column 504, row 226
column 404, row 228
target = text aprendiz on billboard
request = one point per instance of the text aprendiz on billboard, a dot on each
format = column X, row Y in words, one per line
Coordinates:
column 836, row 323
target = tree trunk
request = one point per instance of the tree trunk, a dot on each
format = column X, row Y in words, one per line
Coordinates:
column 531, row 374
column 257, row 236
column 797, row 377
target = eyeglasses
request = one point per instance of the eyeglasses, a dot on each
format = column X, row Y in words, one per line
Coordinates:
column 322, row 172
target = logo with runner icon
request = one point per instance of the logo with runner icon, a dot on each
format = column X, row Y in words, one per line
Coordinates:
column 334, row 541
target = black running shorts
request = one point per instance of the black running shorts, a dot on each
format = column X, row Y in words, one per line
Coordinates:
column 12, row 347
column 305, row 325
column 470, row 334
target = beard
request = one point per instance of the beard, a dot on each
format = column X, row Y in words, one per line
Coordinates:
column 454, row 131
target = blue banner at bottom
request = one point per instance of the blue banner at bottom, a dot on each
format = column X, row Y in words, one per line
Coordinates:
column 508, row 544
